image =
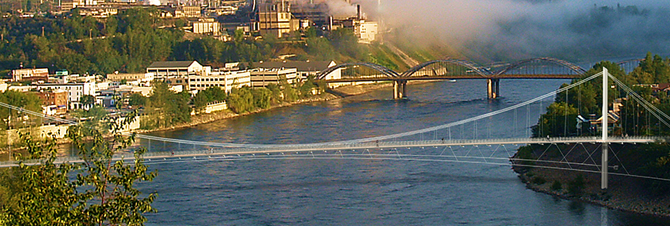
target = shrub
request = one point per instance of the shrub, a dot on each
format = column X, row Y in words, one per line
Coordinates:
column 576, row 186
column 556, row 186
column 538, row 180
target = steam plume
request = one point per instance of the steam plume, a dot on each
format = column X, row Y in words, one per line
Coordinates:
column 513, row 29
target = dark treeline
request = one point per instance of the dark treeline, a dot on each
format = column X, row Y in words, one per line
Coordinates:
column 131, row 40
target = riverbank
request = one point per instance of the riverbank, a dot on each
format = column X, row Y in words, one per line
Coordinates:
column 624, row 193
column 337, row 93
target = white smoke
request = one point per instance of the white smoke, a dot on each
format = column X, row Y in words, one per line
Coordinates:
column 523, row 28
column 337, row 8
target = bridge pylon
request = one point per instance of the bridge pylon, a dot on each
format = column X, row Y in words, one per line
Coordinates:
column 399, row 89
column 604, row 161
column 493, row 88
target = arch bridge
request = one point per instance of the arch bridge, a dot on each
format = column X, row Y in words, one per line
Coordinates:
column 452, row 69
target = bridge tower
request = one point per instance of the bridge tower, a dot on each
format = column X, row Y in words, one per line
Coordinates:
column 493, row 88
column 605, row 149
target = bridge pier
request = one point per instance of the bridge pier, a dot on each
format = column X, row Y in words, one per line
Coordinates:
column 399, row 89
column 493, row 88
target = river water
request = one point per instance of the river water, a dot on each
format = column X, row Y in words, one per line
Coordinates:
column 367, row 191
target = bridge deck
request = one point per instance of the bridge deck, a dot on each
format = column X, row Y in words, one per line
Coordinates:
column 450, row 77
column 276, row 149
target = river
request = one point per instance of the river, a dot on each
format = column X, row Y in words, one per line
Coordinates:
column 367, row 191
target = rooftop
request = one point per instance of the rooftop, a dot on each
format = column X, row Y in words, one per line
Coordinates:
column 300, row 65
column 172, row 64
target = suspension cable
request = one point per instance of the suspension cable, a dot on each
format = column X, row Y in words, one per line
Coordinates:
column 335, row 143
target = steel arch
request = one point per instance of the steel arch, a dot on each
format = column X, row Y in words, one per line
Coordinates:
column 571, row 66
column 463, row 63
column 630, row 61
column 384, row 70
column 628, row 64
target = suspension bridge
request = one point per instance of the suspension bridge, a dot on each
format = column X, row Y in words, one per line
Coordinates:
column 451, row 69
column 464, row 141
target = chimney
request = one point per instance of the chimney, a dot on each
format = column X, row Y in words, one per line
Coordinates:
column 358, row 11
column 330, row 23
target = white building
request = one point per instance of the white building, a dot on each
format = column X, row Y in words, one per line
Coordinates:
column 226, row 80
column 207, row 27
column 165, row 69
column 128, row 77
column 75, row 91
column 3, row 86
column 366, row 31
column 30, row 73
column 264, row 77
column 303, row 68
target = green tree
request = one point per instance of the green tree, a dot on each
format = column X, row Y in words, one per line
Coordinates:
column 166, row 107
column 241, row 100
column 288, row 91
column 200, row 101
column 560, row 120
column 262, row 97
column 137, row 100
column 277, row 95
column 18, row 119
column 87, row 100
column 101, row 193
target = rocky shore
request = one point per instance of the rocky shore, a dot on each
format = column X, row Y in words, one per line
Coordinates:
column 624, row 193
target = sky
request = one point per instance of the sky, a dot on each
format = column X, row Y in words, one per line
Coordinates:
column 516, row 29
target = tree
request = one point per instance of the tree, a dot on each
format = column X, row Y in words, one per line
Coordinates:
column 560, row 120
column 166, row 107
column 241, row 100
column 93, row 117
column 87, row 100
column 200, row 101
column 101, row 193
column 289, row 93
column 262, row 97
column 17, row 119
column 137, row 99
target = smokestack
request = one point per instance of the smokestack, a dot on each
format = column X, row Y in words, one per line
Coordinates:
column 358, row 11
column 330, row 23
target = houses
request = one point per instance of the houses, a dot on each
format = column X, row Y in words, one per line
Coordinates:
column 55, row 102
column 75, row 91
column 64, row 92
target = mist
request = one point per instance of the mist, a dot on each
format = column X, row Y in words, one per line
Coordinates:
column 334, row 7
column 503, row 30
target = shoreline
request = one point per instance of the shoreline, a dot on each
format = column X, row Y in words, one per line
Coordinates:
column 624, row 193
column 343, row 92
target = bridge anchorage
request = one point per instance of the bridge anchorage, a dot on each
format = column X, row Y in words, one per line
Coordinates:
column 451, row 70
